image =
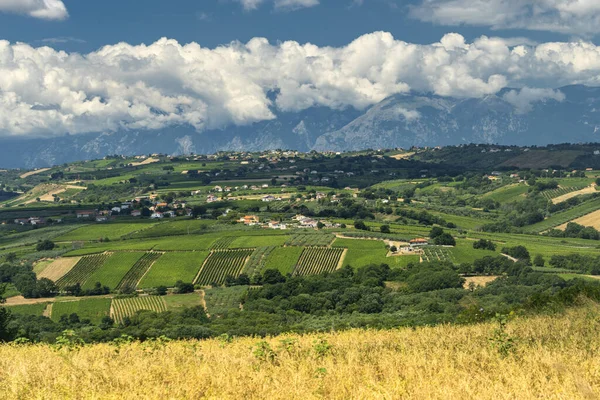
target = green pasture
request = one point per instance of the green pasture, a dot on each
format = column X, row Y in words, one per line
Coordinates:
column 92, row 309
column 173, row 267
column 113, row 270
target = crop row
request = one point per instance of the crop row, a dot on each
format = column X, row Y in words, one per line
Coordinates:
column 223, row 242
column 317, row 260
column 133, row 276
column 84, row 268
column 553, row 193
column 258, row 258
column 122, row 308
column 310, row 240
column 437, row 254
column 221, row 264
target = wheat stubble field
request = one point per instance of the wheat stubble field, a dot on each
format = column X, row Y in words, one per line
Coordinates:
column 554, row 357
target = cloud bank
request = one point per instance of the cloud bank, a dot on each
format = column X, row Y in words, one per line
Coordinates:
column 44, row 92
column 42, row 9
column 576, row 17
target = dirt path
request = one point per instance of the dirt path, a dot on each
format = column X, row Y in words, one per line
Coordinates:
column 20, row 300
column 565, row 197
column 48, row 311
column 509, row 257
column 30, row 173
column 342, row 258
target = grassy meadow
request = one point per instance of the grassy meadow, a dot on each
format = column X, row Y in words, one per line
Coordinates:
column 550, row 357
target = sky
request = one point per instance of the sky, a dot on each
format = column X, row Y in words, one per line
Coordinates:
column 73, row 66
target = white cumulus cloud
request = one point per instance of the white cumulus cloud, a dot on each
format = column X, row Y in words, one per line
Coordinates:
column 45, row 92
column 577, row 17
column 524, row 98
column 288, row 5
column 43, row 9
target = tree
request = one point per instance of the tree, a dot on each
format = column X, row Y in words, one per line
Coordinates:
column 11, row 257
column 320, row 225
column 445, row 239
column 393, row 249
column 182, row 287
column 45, row 245
column 538, row 261
column 161, row 290
column 272, row 276
column 385, row 229
column 435, row 232
column 360, row 225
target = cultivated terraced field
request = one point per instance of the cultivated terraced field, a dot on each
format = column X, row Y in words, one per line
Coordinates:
column 310, row 240
column 565, row 216
column 173, row 267
column 84, row 268
column 221, row 264
column 284, row 259
column 317, row 260
column 122, row 308
column 113, row 270
column 133, row 276
column 561, row 191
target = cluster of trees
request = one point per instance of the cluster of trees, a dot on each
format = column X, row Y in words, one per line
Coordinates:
column 441, row 238
column 519, row 252
column 575, row 230
column 483, row 244
column 423, row 217
column 584, row 264
column 26, row 282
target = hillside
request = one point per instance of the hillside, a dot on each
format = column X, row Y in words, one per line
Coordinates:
column 545, row 357
column 413, row 119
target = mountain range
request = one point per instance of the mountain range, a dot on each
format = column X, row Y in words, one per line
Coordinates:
column 415, row 119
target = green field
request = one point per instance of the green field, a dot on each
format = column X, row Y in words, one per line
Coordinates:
column 100, row 231
column 315, row 260
column 28, row 309
column 177, row 302
column 284, row 259
column 172, row 228
column 140, row 268
column 248, row 242
column 113, row 270
column 129, row 306
column 508, row 193
column 221, row 264
column 173, row 267
column 92, row 309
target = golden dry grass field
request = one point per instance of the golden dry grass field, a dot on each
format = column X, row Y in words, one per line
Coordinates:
column 588, row 190
column 554, row 357
column 591, row 219
column 59, row 268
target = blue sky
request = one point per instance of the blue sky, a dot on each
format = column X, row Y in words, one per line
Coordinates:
column 79, row 66
column 93, row 24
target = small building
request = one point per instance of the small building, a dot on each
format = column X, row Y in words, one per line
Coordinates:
column 419, row 242
column 86, row 214
column 101, row 218
column 268, row 198
column 22, row 221
column 250, row 220
column 157, row 215
column 211, row 199
column 136, row 213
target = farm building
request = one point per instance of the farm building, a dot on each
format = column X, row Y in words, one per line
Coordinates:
column 419, row 242
column 136, row 213
column 86, row 214
column 157, row 215
column 250, row 220
column 268, row 198
column 211, row 199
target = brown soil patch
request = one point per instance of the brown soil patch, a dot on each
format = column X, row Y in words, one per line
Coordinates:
column 145, row 162
column 59, row 268
column 591, row 219
column 20, row 301
column 565, row 197
column 30, row 173
column 403, row 156
column 479, row 280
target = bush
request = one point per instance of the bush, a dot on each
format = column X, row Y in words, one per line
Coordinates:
column 45, row 245
column 483, row 244
column 445, row 239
